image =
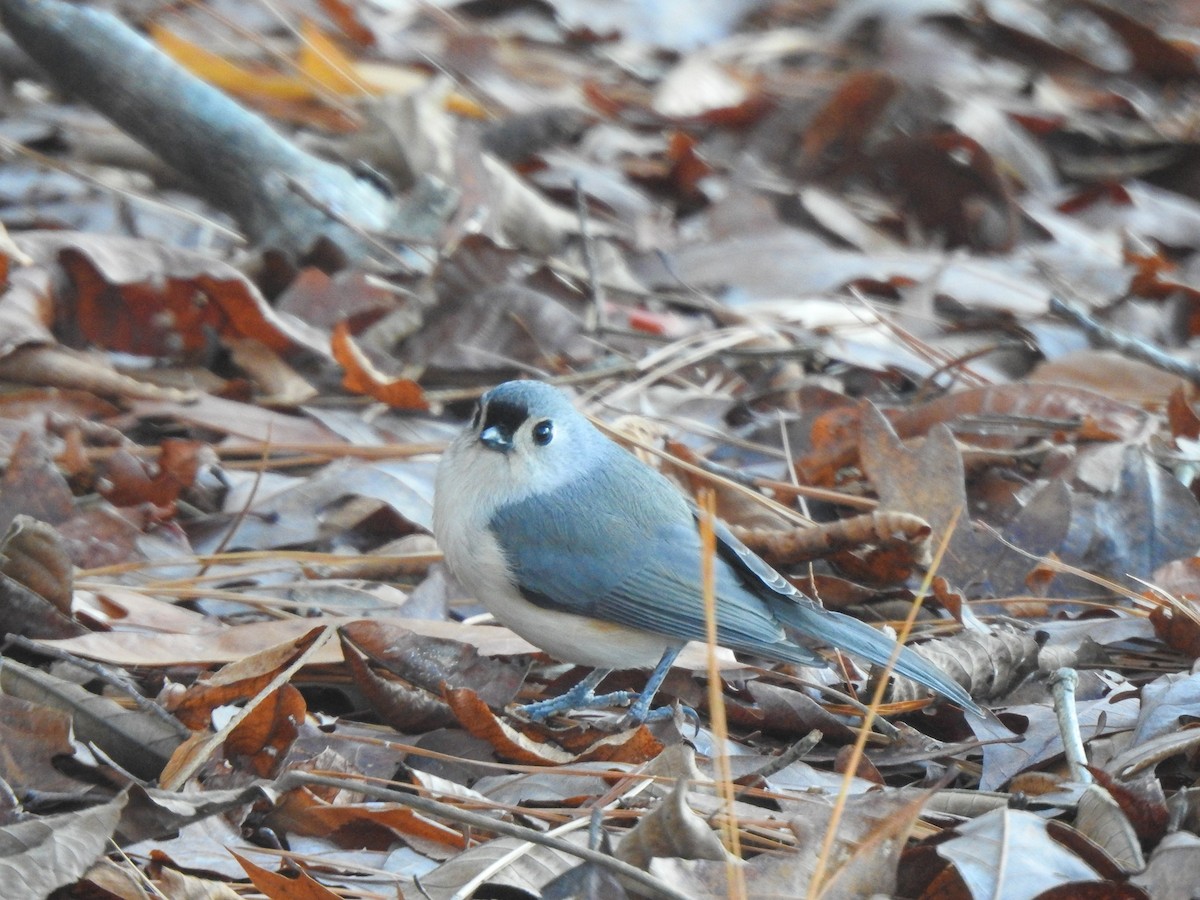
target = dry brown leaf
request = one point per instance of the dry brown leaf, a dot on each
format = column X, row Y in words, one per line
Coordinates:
column 671, row 829
column 243, row 678
column 278, row 886
column 300, row 811
column 633, row 746
column 261, row 740
column 362, row 377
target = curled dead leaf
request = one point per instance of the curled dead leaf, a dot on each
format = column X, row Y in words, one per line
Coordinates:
column 526, row 746
column 362, row 376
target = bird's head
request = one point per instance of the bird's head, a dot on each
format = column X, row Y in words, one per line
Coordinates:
column 525, row 438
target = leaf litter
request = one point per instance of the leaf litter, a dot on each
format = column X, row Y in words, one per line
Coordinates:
column 883, row 278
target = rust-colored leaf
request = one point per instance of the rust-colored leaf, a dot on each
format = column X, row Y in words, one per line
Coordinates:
column 350, row 824
column 1181, row 414
column 241, row 679
column 170, row 301
column 633, row 746
column 361, row 376
column 130, row 480
column 278, row 886
column 835, row 136
column 262, row 738
column 346, row 17
column 1178, row 631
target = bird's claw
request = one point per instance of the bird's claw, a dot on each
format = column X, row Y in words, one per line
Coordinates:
column 632, row 719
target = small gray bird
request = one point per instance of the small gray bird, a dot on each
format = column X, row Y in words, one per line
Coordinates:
column 588, row 553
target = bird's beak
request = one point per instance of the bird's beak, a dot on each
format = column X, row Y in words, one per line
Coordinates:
column 495, row 438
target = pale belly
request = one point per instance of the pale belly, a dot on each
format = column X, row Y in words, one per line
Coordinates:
column 477, row 562
column 575, row 639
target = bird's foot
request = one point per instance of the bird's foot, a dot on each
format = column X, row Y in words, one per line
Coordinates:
column 583, row 696
column 543, row 709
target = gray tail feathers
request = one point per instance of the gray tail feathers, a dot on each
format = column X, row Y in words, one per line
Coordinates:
column 847, row 633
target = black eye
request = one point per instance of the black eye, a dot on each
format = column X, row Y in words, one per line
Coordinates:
column 543, row 432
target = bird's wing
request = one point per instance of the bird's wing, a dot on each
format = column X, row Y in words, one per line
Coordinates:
column 633, row 561
column 755, row 571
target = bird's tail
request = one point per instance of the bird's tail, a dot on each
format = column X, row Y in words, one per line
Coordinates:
column 859, row 638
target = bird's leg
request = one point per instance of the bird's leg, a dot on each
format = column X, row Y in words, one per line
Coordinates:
column 640, row 711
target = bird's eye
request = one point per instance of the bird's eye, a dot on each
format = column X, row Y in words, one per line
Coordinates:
column 543, row 432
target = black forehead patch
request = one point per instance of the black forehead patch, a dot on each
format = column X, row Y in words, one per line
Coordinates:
column 505, row 415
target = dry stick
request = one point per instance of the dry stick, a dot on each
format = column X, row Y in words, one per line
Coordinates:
column 788, row 513
column 595, row 288
column 647, row 883
column 816, row 885
column 245, row 510
column 312, row 557
column 369, row 238
column 921, row 348
column 1140, row 602
column 734, row 876
column 788, row 490
column 472, row 885
column 139, row 876
column 1062, row 686
column 776, row 764
column 547, row 814
column 313, row 452
column 927, row 385
column 242, row 164
column 1103, row 336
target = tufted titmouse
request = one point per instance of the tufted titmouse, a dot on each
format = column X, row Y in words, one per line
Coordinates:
column 593, row 556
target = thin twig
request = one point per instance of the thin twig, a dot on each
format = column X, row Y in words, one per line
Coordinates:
column 1062, row 686
column 777, row 764
column 735, row 877
column 1102, row 335
column 245, row 510
column 595, row 288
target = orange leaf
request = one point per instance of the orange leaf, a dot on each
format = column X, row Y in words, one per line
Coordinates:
column 279, row 887
column 362, row 377
column 228, row 76
column 305, row 812
column 263, row 737
column 345, row 16
column 323, row 61
column 241, row 679
column 637, row 745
